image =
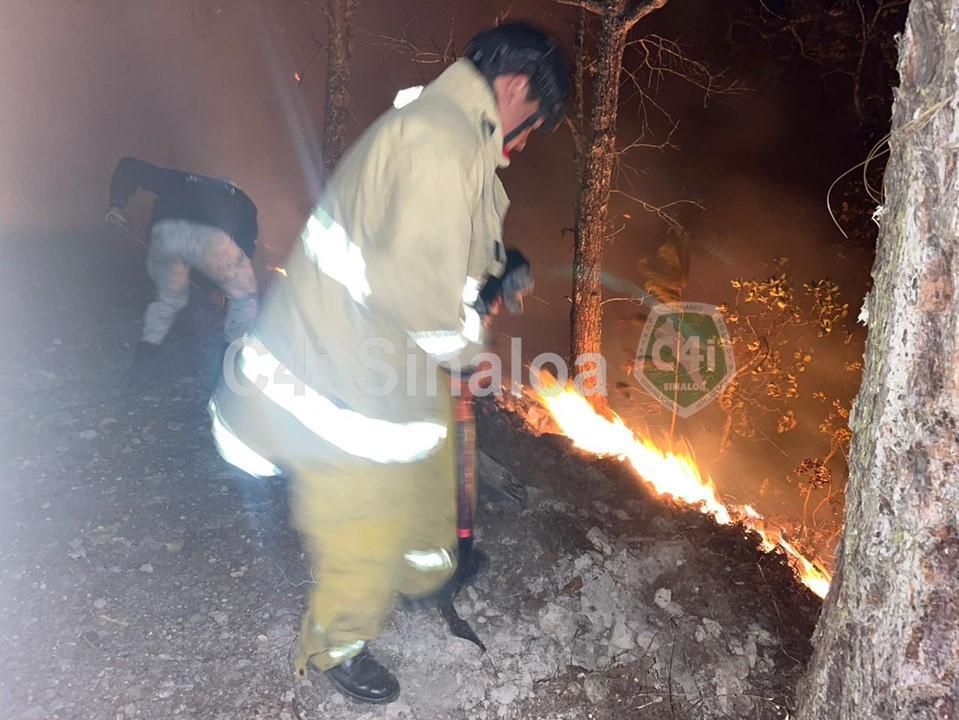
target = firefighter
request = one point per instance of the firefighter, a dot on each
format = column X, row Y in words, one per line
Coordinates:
column 336, row 385
column 197, row 222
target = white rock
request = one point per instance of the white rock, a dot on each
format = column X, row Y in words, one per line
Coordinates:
column 537, row 585
column 397, row 710
column 647, row 639
column 595, row 689
column 557, row 621
column 146, row 568
column 582, row 563
column 663, row 597
column 740, row 666
column 622, row 638
column 598, row 538
column 505, row 694
column 711, row 628
column 673, row 609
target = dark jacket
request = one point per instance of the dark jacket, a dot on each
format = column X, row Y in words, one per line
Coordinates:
column 187, row 196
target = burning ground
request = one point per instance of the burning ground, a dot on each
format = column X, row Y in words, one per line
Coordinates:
column 140, row 577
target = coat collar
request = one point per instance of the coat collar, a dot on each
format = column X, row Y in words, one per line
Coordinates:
column 466, row 88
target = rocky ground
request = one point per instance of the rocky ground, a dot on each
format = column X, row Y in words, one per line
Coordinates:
column 141, row 577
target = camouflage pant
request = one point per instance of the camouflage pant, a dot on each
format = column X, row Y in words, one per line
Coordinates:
column 176, row 246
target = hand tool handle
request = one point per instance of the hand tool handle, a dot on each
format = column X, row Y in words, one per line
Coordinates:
column 465, row 461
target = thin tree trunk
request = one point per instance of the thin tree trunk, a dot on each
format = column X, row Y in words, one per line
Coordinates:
column 591, row 213
column 579, row 101
column 887, row 644
column 340, row 14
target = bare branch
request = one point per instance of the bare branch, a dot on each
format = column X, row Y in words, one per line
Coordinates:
column 661, row 57
column 661, row 211
column 635, row 145
column 629, row 17
column 577, row 142
column 594, row 6
column 418, row 51
column 403, row 45
column 638, row 13
column 638, row 301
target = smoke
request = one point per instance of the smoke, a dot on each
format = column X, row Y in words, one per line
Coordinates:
column 216, row 93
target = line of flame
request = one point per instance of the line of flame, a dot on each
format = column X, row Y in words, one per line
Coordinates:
column 671, row 474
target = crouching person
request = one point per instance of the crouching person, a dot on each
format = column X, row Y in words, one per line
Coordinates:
column 197, row 223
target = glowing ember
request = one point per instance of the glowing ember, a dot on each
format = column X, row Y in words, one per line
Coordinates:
column 278, row 269
column 675, row 475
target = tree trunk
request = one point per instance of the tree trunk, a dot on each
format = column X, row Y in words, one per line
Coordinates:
column 887, row 644
column 599, row 151
column 340, row 14
column 579, row 101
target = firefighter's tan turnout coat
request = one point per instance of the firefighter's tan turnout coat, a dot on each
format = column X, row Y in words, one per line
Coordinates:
column 336, row 383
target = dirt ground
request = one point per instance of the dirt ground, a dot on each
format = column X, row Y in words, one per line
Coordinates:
column 141, row 577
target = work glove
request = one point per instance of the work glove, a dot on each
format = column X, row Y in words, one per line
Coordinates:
column 115, row 216
column 509, row 289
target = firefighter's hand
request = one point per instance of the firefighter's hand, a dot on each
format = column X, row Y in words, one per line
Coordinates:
column 115, row 216
column 509, row 290
column 517, row 283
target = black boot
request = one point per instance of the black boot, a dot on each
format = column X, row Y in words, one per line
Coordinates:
column 363, row 679
column 360, row 678
column 464, row 577
column 144, row 358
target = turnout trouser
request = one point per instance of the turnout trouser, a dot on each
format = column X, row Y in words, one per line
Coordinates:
column 371, row 530
column 176, row 246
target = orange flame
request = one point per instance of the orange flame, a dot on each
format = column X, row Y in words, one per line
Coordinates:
column 671, row 474
column 280, row 270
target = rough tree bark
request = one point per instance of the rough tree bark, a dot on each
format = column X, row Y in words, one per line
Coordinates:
column 592, row 206
column 887, row 644
column 597, row 154
column 340, row 15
